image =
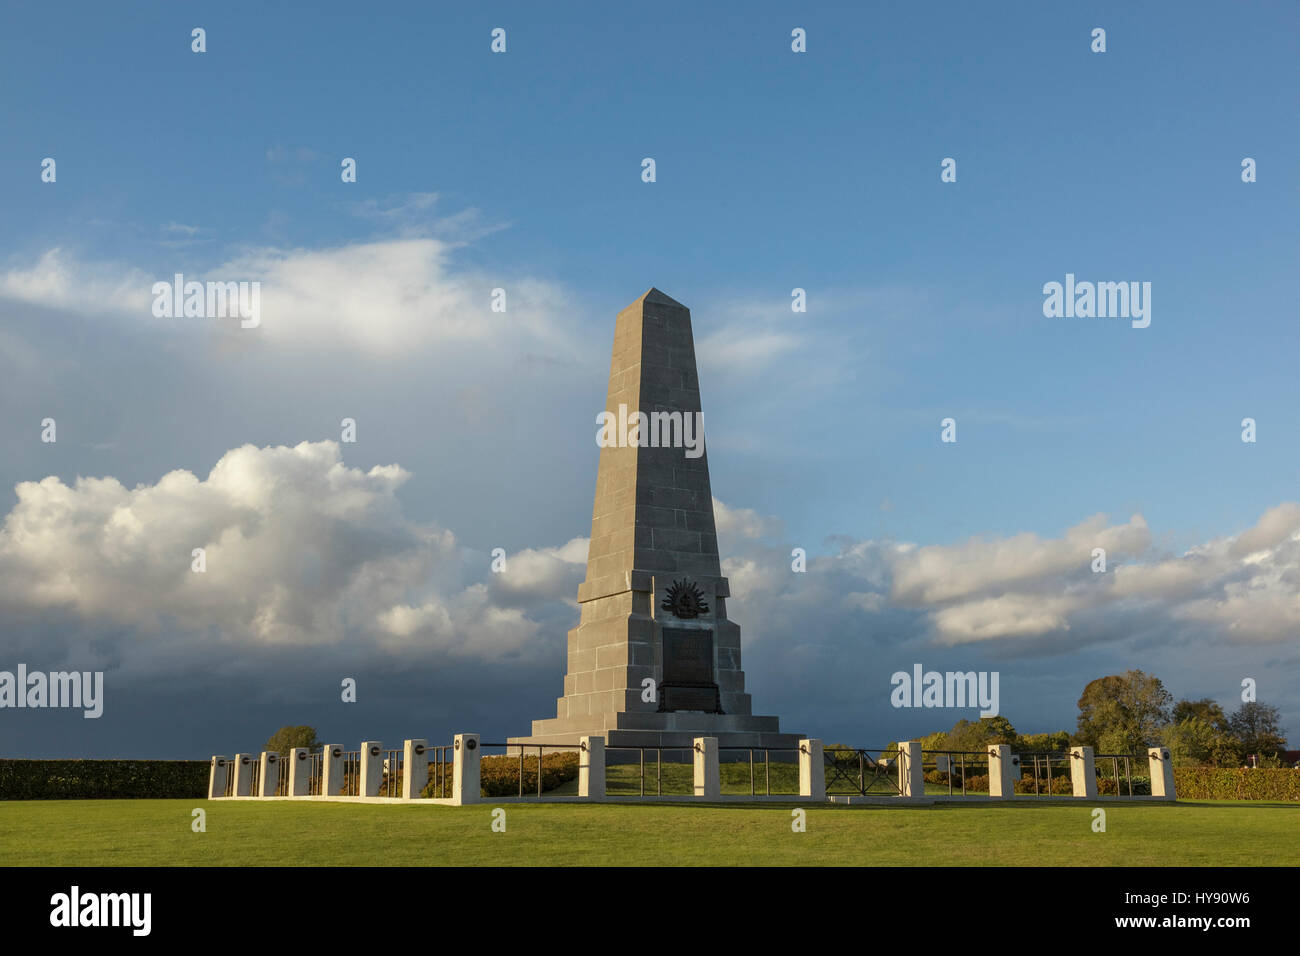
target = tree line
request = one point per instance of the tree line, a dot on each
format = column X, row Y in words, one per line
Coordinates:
column 1127, row 713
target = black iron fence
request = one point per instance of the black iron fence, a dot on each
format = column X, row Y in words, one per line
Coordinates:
column 497, row 775
column 617, row 784
column 1114, row 760
column 854, row 771
column 391, row 770
column 787, row 769
column 1039, row 773
column 351, row 773
column 1048, row 769
column 659, row 771
column 442, row 770
column 962, row 771
column 390, row 781
column 314, row 767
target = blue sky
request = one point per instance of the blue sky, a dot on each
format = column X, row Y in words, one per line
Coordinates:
column 774, row 170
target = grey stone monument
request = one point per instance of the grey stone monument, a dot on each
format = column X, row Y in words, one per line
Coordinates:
column 654, row 604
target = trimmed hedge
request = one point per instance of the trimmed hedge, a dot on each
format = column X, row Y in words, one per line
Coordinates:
column 1236, row 783
column 103, row 779
column 1141, row 786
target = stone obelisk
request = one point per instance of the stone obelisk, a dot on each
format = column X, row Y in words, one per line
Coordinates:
column 654, row 659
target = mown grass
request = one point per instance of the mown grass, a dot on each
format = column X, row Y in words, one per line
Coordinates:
column 158, row 832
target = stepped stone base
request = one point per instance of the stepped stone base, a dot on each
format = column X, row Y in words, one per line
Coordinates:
column 675, row 729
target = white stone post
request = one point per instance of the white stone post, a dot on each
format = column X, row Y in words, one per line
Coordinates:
column 372, row 768
column 270, row 774
column 1083, row 772
column 331, row 770
column 299, row 772
column 243, row 775
column 911, row 778
column 941, row 762
column 217, row 774
column 466, row 781
column 591, row 768
column 707, row 781
column 1162, row 773
column 1004, row 770
column 812, row 770
column 415, row 768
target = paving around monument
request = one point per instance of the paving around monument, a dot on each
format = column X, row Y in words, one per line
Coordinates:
column 679, row 437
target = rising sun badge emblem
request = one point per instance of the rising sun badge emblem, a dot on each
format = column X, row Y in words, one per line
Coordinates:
column 685, row 600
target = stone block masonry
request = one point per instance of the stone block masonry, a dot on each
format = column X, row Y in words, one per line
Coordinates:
column 654, row 604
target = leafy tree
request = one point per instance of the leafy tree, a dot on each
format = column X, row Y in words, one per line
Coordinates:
column 976, row 735
column 968, row 735
column 1052, row 742
column 1204, row 709
column 289, row 737
column 1195, row 742
column 1200, row 734
column 935, row 741
column 1256, row 727
column 1123, row 713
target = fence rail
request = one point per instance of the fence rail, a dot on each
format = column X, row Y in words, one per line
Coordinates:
column 351, row 772
column 315, row 770
column 841, row 762
column 641, row 761
column 1128, row 769
column 954, row 763
column 232, row 775
column 702, row 769
column 767, row 765
column 442, row 769
column 390, row 783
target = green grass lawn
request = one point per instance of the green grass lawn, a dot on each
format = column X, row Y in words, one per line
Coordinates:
column 157, row 832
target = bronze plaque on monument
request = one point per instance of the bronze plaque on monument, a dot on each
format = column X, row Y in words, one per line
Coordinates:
column 688, row 670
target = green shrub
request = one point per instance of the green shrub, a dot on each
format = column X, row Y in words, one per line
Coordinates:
column 103, row 779
column 499, row 775
column 1106, row 786
column 1059, row 786
column 1236, row 783
column 975, row 783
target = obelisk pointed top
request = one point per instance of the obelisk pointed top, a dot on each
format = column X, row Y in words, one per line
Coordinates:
column 655, row 297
